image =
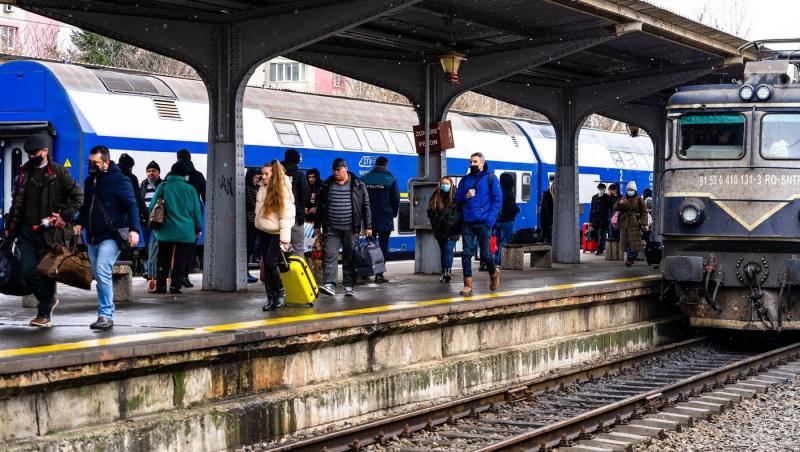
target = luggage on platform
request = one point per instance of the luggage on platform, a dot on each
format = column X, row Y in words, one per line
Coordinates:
column 588, row 239
column 11, row 280
column 369, row 259
column 298, row 281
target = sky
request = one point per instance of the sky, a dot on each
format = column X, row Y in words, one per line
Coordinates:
column 764, row 19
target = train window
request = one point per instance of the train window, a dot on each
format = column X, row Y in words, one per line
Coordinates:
column 780, row 136
column 711, row 137
column 375, row 140
column 287, row 133
column 404, row 219
column 630, row 160
column 617, row 160
column 526, row 187
column 319, row 135
column 348, row 137
column 401, row 142
column 487, row 124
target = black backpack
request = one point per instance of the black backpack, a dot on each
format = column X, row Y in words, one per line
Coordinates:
column 526, row 236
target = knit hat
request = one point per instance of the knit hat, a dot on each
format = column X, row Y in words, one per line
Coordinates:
column 37, row 142
column 179, row 169
column 126, row 161
column 339, row 163
column 631, row 186
column 153, row 164
column 291, row 156
column 601, row 185
column 184, row 154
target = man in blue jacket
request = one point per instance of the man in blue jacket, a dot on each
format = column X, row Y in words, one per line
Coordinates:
column 384, row 202
column 480, row 198
column 109, row 206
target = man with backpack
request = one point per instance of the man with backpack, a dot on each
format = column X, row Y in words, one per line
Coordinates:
column 480, row 198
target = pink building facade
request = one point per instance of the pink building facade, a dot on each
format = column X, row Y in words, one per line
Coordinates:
column 27, row 34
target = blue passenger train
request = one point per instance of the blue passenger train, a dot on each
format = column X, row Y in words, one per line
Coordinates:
column 150, row 117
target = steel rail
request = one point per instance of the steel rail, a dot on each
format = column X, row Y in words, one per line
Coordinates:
column 569, row 429
column 403, row 425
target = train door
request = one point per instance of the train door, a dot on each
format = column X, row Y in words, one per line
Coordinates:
column 12, row 158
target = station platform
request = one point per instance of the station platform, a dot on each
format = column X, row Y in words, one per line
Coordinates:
column 155, row 324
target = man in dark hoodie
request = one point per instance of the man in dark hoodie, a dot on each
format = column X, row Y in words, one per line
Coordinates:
column 109, row 204
column 300, row 190
column 126, row 164
column 504, row 228
column 195, row 178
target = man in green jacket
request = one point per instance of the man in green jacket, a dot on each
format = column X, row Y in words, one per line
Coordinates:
column 178, row 235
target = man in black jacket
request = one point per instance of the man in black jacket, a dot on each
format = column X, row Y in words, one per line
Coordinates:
column 599, row 215
column 43, row 189
column 301, row 192
column 342, row 211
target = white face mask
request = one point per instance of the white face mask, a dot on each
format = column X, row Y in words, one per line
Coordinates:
column 631, row 192
column 601, row 192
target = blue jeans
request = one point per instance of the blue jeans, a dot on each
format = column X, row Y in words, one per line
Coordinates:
column 446, row 249
column 503, row 232
column 473, row 234
column 151, row 268
column 102, row 258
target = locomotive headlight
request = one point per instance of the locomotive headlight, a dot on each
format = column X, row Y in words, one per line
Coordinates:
column 746, row 92
column 691, row 212
column 763, row 92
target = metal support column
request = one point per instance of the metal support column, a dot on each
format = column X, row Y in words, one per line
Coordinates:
column 566, row 227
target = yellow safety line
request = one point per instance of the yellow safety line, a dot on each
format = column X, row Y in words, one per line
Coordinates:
column 116, row 340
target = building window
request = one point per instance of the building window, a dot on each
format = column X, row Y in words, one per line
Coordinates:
column 8, row 38
column 338, row 81
column 286, row 72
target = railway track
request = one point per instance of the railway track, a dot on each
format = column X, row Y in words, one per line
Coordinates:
column 554, row 411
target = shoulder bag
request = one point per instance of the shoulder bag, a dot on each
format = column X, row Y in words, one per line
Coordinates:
column 121, row 235
column 156, row 218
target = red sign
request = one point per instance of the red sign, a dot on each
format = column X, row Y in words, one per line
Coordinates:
column 441, row 137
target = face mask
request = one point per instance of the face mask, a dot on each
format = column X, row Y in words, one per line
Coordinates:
column 474, row 169
column 444, row 187
column 631, row 192
column 93, row 170
column 36, row 161
column 601, row 192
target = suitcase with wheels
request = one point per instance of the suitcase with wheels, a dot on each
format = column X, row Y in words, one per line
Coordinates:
column 298, row 281
column 588, row 241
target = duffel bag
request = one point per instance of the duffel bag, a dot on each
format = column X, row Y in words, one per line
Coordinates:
column 68, row 266
column 11, row 280
column 369, row 259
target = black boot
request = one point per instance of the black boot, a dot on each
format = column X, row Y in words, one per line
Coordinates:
column 444, row 277
column 270, row 305
column 280, row 298
column 447, row 276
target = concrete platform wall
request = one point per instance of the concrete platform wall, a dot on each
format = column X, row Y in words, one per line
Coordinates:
column 327, row 377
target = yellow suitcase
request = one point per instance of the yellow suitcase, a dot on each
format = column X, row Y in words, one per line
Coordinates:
column 298, row 281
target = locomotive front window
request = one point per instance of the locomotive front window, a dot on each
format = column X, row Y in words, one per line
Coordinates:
column 711, row 137
column 780, row 136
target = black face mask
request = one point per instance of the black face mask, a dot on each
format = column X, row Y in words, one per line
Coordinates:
column 36, row 161
column 473, row 169
column 93, row 170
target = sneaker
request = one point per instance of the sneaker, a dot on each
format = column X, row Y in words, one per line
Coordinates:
column 348, row 292
column 41, row 322
column 381, row 279
column 186, row 282
column 251, row 279
column 175, row 291
column 328, row 289
column 102, row 323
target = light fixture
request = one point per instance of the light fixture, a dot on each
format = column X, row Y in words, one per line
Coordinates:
column 633, row 130
column 450, row 62
column 763, row 92
column 746, row 92
column 691, row 212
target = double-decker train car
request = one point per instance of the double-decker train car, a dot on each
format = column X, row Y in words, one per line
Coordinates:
column 150, row 117
column 731, row 215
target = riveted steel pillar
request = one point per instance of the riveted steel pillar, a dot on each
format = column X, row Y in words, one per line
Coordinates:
column 566, row 227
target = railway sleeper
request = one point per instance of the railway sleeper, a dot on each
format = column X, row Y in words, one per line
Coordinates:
column 583, row 448
column 753, row 386
column 723, row 394
column 630, row 438
column 714, row 408
column 682, row 419
column 641, row 430
column 658, row 423
column 610, row 444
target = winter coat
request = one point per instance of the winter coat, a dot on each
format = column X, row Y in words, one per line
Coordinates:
column 277, row 222
column 445, row 223
column 300, row 191
column 183, row 217
column 250, row 197
column 485, row 205
column 384, row 198
column 632, row 215
column 546, row 215
column 600, row 211
column 195, row 178
column 362, row 215
column 114, row 190
column 509, row 209
column 61, row 194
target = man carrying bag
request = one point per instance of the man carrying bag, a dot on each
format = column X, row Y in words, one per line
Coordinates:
column 111, row 217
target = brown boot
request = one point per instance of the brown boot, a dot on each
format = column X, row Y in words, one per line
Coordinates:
column 467, row 290
column 494, row 282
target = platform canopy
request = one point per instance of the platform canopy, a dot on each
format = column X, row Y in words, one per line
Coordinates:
column 564, row 58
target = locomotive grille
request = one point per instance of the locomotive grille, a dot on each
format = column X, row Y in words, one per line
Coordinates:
column 167, row 109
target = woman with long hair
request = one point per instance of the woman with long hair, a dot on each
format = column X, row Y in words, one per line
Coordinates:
column 445, row 222
column 274, row 220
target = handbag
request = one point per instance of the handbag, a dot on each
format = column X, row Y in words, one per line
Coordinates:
column 68, row 266
column 369, row 259
column 11, row 280
column 615, row 220
column 121, row 235
column 156, row 218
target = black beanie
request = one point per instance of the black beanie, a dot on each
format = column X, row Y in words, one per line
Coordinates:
column 126, row 161
column 184, row 154
column 292, row 156
column 179, row 169
column 36, row 143
column 153, row 164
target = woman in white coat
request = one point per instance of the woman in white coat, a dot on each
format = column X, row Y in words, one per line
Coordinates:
column 274, row 220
